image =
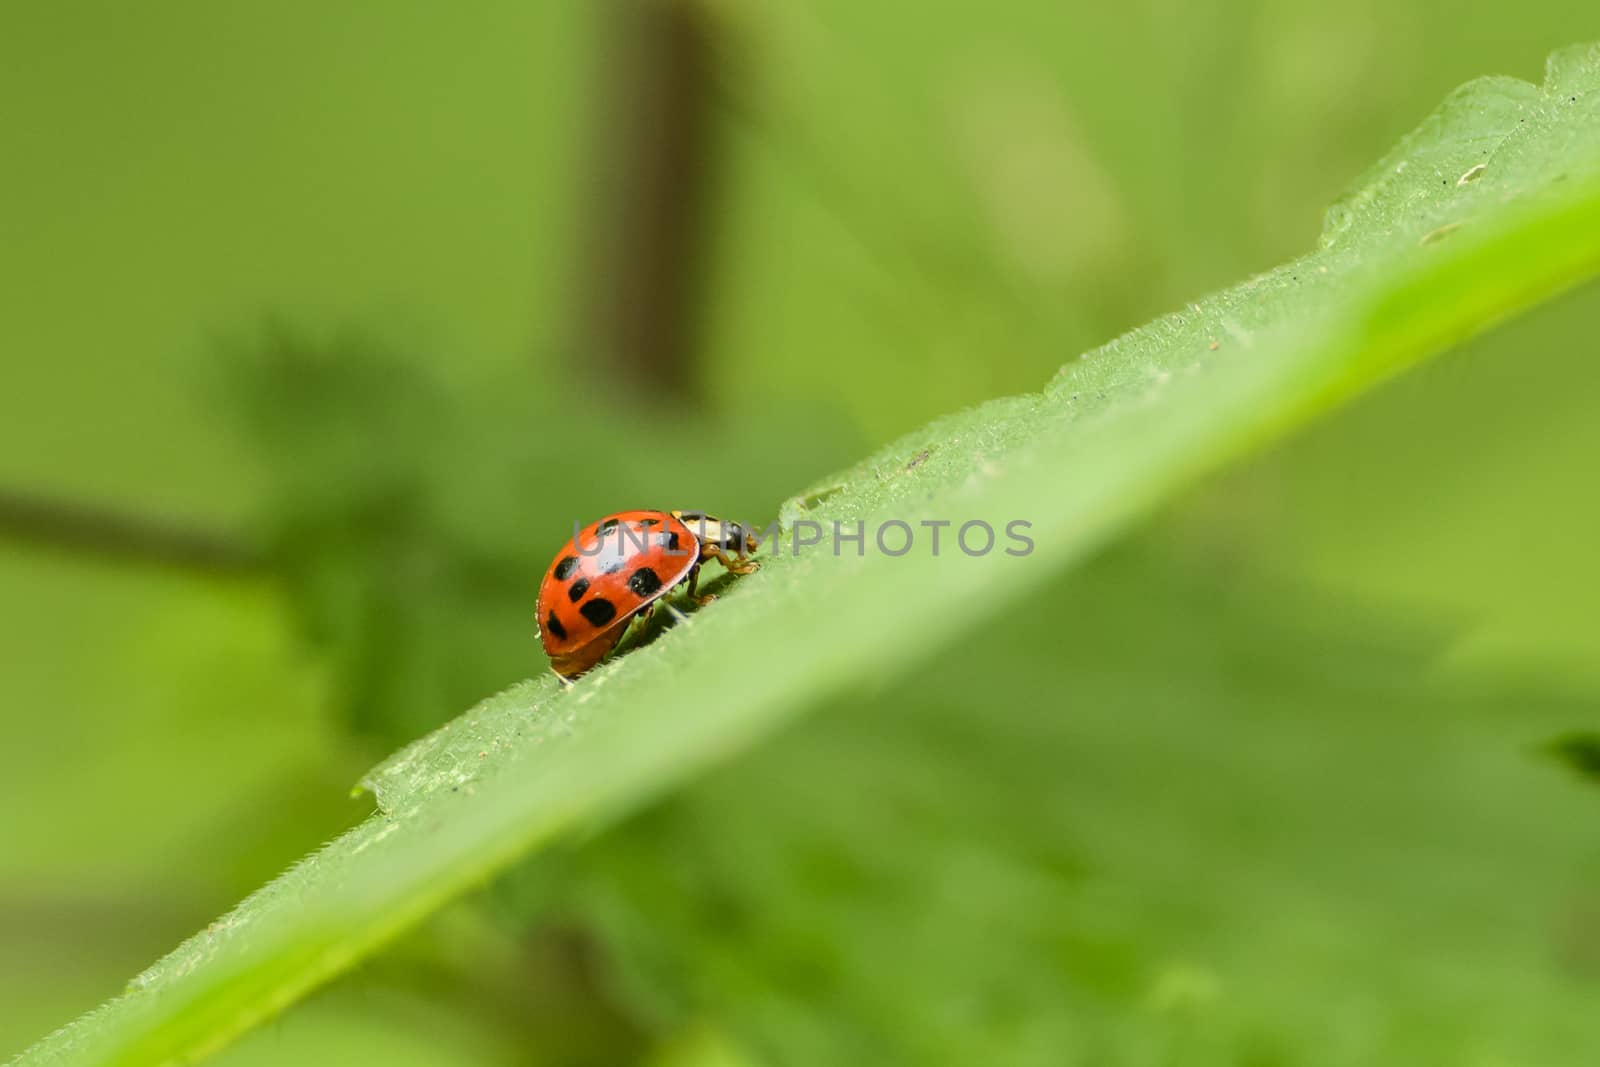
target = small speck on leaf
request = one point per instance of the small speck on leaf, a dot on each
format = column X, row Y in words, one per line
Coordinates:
column 1472, row 174
column 1440, row 234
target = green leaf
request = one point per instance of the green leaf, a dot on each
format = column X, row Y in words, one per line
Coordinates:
column 1185, row 812
column 1491, row 206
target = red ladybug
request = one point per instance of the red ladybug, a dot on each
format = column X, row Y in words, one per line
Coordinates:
column 615, row 570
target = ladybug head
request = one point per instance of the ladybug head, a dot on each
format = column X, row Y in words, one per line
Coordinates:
column 728, row 536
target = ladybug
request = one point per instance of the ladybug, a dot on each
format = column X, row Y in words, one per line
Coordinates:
column 614, row 571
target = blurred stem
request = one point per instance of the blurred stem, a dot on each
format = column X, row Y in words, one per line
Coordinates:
column 94, row 530
column 646, row 237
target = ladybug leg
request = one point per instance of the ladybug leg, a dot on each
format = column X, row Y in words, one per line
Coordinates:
column 701, row 599
column 566, row 683
column 735, row 564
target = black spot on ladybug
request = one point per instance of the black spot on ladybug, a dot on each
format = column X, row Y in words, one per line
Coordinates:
column 553, row 624
column 576, row 590
column 609, row 525
column 598, row 611
column 613, row 565
column 644, row 581
column 668, row 541
column 649, row 522
column 565, row 568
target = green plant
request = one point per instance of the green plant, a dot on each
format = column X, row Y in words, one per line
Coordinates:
column 1492, row 205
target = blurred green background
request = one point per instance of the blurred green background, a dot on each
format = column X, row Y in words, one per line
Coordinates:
column 332, row 293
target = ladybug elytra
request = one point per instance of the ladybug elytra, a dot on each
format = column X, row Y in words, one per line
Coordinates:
column 615, row 570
